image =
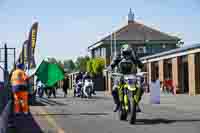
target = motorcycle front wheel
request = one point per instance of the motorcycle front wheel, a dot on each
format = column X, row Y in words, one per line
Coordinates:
column 133, row 112
column 82, row 94
column 89, row 92
column 122, row 114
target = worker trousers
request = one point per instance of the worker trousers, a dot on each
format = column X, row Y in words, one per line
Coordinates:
column 21, row 102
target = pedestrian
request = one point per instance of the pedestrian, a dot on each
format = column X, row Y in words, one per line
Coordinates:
column 52, row 90
column 40, row 87
column 65, row 85
column 19, row 83
column 155, row 90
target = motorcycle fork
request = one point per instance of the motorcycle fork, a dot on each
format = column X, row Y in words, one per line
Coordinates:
column 126, row 100
column 123, row 96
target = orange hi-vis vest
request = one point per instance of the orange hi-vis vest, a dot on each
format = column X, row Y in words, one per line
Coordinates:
column 19, row 77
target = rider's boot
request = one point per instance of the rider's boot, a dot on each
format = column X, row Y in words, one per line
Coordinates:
column 116, row 108
column 138, row 109
column 116, row 100
column 94, row 92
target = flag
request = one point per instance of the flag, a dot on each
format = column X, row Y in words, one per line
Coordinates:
column 25, row 52
column 49, row 73
column 23, row 57
column 31, row 45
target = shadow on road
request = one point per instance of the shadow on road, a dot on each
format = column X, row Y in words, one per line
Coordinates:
column 72, row 114
column 58, row 97
column 162, row 121
column 101, row 97
column 24, row 124
column 38, row 103
column 50, row 102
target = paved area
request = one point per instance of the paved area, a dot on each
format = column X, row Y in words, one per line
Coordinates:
column 180, row 114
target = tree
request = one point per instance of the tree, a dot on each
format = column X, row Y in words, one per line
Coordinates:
column 81, row 63
column 60, row 64
column 98, row 65
column 90, row 66
column 52, row 60
column 69, row 65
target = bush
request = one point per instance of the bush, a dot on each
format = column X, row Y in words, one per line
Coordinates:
column 95, row 66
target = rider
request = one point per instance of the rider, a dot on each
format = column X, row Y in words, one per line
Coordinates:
column 87, row 76
column 127, row 63
column 40, row 86
column 79, row 76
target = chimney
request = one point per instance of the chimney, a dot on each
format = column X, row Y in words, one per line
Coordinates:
column 131, row 17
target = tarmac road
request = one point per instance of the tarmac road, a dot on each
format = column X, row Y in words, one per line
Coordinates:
column 76, row 115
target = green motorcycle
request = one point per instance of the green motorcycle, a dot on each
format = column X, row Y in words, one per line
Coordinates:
column 130, row 93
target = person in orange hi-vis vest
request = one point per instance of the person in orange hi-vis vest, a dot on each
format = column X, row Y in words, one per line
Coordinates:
column 20, row 91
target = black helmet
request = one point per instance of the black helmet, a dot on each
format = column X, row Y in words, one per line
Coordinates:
column 126, row 50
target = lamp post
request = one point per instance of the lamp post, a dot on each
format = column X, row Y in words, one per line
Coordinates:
column 111, row 50
column 115, row 43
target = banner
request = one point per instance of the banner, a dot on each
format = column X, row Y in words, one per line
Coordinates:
column 23, row 57
column 31, row 45
column 25, row 52
column 26, row 56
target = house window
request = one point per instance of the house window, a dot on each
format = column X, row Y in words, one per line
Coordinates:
column 103, row 52
column 163, row 45
column 97, row 52
column 141, row 50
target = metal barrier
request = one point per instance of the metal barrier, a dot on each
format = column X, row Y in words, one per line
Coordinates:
column 4, row 119
column 5, row 108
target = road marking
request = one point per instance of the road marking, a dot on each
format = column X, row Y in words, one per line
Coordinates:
column 51, row 121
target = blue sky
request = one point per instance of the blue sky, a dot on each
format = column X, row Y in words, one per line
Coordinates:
column 66, row 27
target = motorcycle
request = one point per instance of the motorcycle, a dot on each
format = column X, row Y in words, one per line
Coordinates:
column 129, row 90
column 87, row 88
column 78, row 89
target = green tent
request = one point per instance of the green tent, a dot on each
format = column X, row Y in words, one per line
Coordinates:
column 49, row 73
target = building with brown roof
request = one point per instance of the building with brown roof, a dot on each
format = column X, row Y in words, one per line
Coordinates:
column 145, row 40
